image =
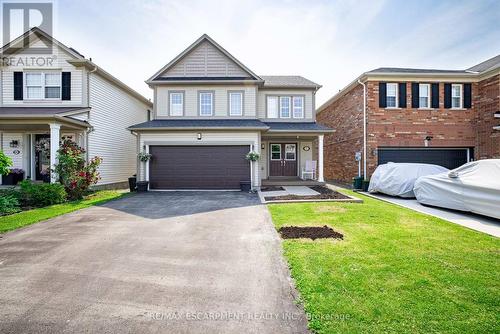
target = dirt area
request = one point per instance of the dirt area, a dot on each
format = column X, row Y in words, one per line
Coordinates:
column 271, row 188
column 311, row 232
column 324, row 193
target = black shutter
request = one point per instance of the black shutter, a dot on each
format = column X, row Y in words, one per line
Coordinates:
column 414, row 95
column 18, row 85
column 435, row 95
column 402, row 95
column 66, row 86
column 467, row 95
column 447, row 95
column 382, row 95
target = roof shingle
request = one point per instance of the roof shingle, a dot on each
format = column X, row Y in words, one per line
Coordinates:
column 288, row 81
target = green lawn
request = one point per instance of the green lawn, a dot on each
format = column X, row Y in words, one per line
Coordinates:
column 396, row 271
column 17, row 220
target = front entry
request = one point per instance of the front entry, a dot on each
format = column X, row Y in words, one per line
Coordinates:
column 283, row 159
column 42, row 157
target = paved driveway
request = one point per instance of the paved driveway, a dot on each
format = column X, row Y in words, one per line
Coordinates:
column 176, row 262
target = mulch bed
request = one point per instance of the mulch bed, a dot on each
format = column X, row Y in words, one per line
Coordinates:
column 324, row 193
column 311, row 232
column 271, row 188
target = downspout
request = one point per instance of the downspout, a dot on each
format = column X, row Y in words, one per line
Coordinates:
column 364, row 127
column 89, row 130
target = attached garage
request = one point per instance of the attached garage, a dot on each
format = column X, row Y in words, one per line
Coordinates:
column 447, row 157
column 198, row 167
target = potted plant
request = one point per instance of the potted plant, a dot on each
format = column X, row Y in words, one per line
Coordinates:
column 252, row 156
column 5, row 163
column 45, row 174
column 18, row 174
column 144, row 157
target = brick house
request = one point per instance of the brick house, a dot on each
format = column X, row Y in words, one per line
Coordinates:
column 445, row 117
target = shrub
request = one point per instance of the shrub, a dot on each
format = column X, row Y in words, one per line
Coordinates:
column 42, row 194
column 74, row 173
column 9, row 203
column 5, row 163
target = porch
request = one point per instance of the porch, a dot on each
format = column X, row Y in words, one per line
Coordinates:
column 289, row 181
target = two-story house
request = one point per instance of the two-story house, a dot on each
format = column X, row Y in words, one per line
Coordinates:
column 49, row 92
column 443, row 117
column 210, row 110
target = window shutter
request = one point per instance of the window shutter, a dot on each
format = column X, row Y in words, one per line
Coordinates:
column 66, row 86
column 18, row 85
column 435, row 95
column 447, row 95
column 414, row 95
column 467, row 95
column 402, row 95
column 382, row 95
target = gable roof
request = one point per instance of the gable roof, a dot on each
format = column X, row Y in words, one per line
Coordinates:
column 198, row 42
column 288, row 81
column 486, row 65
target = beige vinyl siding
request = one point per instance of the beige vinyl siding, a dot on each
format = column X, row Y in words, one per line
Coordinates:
column 211, row 137
column 220, row 100
column 17, row 159
column 205, row 60
column 308, row 103
column 113, row 110
column 60, row 64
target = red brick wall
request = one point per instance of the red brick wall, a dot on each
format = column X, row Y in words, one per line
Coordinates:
column 488, row 102
column 345, row 116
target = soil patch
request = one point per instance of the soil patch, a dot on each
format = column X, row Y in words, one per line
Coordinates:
column 324, row 193
column 311, row 232
column 271, row 188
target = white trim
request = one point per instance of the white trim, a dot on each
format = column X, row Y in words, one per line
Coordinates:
column 271, row 152
column 302, row 106
column 281, row 98
column 231, row 93
column 428, row 96
column 396, row 91
column 320, row 159
column 460, row 97
column 295, row 152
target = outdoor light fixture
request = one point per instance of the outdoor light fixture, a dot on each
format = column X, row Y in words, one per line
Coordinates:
column 199, row 136
column 427, row 140
column 14, row 143
column 262, row 146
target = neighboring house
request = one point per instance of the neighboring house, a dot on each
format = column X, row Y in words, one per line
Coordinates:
column 210, row 111
column 48, row 97
column 414, row 115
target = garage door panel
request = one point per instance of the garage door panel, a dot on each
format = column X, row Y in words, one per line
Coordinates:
column 449, row 158
column 198, row 167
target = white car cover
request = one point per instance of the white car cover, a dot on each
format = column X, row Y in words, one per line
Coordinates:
column 473, row 187
column 398, row 179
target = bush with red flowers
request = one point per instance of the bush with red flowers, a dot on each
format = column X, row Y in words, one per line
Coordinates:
column 75, row 174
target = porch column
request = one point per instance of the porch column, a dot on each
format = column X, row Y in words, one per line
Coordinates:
column 55, row 134
column 320, row 158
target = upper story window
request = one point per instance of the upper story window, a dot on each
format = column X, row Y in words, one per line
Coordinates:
column 206, row 100
column 272, row 107
column 284, row 106
column 456, row 96
column 392, row 95
column 176, row 103
column 41, row 85
column 235, row 104
column 298, row 106
column 424, row 95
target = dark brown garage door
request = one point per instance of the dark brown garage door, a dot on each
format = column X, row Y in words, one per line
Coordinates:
column 198, row 167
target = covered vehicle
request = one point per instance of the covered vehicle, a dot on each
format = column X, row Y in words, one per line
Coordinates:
column 398, row 179
column 473, row 187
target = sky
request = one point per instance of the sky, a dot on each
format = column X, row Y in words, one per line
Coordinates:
column 328, row 42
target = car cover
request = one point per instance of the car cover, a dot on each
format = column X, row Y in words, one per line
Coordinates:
column 398, row 179
column 473, row 187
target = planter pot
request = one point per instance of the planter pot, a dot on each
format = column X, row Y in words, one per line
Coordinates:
column 132, row 183
column 245, row 186
column 142, row 186
column 366, row 183
column 18, row 177
column 9, row 179
column 357, row 182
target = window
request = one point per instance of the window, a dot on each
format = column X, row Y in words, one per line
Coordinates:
column 275, row 151
column 235, row 104
column 176, row 103
column 424, row 95
column 298, row 106
column 392, row 95
column 41, row 85
column 272, row 107
column 456, row 96
column 284, row 106
column 290, row 151
column 206, row 103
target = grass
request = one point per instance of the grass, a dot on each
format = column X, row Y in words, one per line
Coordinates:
column 17, row 220
column 396, row 271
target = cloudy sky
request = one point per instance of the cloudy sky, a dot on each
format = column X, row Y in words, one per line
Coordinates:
column 329, row 42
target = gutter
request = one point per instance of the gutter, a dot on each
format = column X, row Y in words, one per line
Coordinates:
column 197, row 128
column 364, row 127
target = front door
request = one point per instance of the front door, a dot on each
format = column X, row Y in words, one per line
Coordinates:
column 42, row 157
column 283, row 160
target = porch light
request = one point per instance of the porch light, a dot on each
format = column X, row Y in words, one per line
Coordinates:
column 198, row 136
column 14, row 143
column 262, row 146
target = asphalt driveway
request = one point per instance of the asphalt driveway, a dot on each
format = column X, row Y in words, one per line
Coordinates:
column 176, row 262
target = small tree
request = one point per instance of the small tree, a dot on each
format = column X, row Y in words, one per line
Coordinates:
column 74, row 173
column 5, row 163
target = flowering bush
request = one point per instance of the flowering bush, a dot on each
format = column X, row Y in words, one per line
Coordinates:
column 17, row 171
column 252, row 156
column 5, row 163
column 74, row 173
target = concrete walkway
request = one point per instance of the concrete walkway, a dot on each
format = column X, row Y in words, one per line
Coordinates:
column 163, row 262
column 479, row 223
